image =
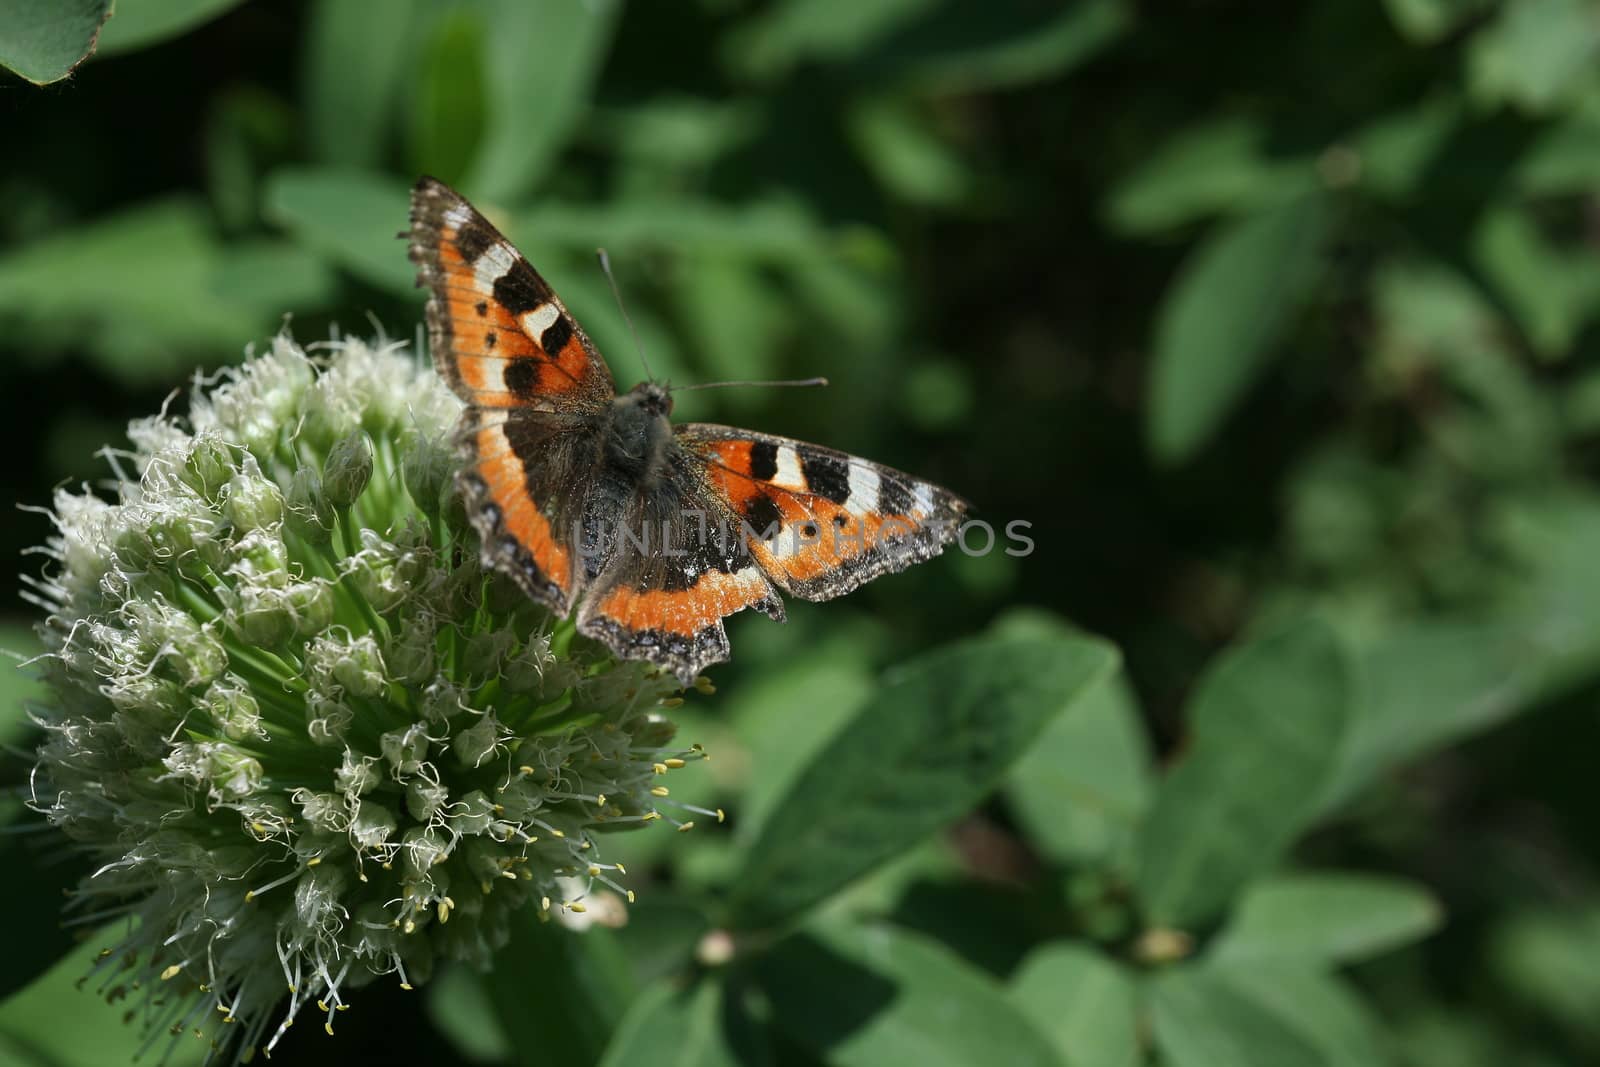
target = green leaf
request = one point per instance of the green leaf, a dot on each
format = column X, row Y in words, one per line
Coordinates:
column 1220, row 166
column 1198, row 1021
column 1325, row 917
column 558, row 994
column 459, row 1006
column 358, row 65
column 19, row 683
column 541, row 58
column 1545, row 959
column 351, row 217
column 1537, row 55
column 1261, row 1016
column 907, row 156
column 932, row 742
column 1429, row 21
column 874, row 996
column 55, row 1023
column 447, row 115
column 45, row 40
column 672, row 1027
column 1552, row 291
column 1431, row 683
column 786, row 34
column 1265, row 726
column 1086, row 1004
column 963, row 48
column 1081, row 789
column 140, row 23
column 1221, row 319
column 135, row 289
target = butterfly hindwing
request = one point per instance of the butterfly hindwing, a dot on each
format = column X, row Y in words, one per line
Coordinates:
column 821, row 522
column 673, row 571
column 499, row 335
column 525, row 494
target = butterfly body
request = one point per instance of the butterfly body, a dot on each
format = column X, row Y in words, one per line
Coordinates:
column 595, row 502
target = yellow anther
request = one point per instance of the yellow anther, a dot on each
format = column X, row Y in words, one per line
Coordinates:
column 594, row 872
column 720, row 816
column 660, row 791
column 659, row 768
column 313, row 861
column 686, row 827
column 171, row 972
column 544, row 903
column 600, row 800
column 577, row 906
column 621, row 869
column 630, row 896
column 673, row 763
column 672, row 702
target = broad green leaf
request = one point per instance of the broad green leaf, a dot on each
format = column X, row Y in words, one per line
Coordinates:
column 1396, row 149
column 932, row 742
column 1259, row 1013
column 140, row 23
column 1265, row 727
column 1221, row 166
column 1199, row 1021
column 907, row 156
column 874, row 996
column 1551, row 291
column 558, row 994
column 965, row 48
column 447, row 111
column 1428, row 21
column 540, row 66
column 1325, row 917
column 276, row 275
column 45, row 40
column 359, row 62
column 1222, row 318
column 1428, row 684
column 1546, row 960
column 351, row 217
column 61, row 1021
column 733, row 313
column 19, row 682
column 668, row 1026
column 1563, row 160
column 137, row 290
column 1537, row 54
column 1086, row 1004
column 1081, row 788
column 794, row 31
column 458, row 1004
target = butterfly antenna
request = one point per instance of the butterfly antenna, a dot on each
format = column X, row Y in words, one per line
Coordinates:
column 778, row 384
column 605, row 268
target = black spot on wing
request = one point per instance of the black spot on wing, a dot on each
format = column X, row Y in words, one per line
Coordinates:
column 519, row 289
column 894, row 496
column 763, row 460
column 556, row 336
column 522, row 378
column 826, row 476
column 762, row 516
column 482, row 308
column 473, row 239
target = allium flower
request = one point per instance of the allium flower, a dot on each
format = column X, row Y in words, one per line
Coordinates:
column 306, row 738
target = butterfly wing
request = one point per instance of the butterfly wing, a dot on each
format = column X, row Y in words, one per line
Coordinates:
column 535, row 387
column 672, row 572
column 499, row 335
column 819, row 522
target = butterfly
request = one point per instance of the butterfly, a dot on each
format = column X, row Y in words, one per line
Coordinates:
column 594, row 502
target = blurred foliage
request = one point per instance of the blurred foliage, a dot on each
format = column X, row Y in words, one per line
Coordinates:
column 1277, row 321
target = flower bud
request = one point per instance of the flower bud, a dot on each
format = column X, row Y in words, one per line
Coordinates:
column 428, row 469
column 347, row 470
column 252, row 502
column 208, row 466
column 310, row 516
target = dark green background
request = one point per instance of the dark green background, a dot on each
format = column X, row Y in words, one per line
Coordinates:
column 1256, row 312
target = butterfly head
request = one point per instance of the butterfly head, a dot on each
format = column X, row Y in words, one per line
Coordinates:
column 651, row 399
